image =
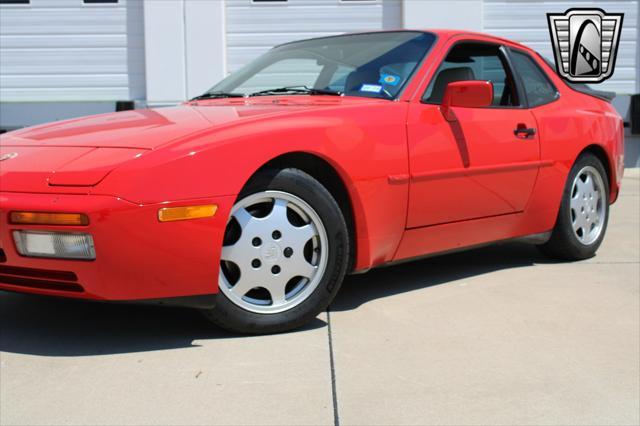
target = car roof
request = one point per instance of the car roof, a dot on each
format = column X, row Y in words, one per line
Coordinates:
column 448, row 33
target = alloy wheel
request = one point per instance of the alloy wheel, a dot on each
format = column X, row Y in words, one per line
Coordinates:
column 274, row 253
column 587, row 205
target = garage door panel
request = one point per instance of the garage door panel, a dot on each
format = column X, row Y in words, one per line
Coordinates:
column 62, row 81
column 62, row 21
column 71, row 94
column 249, row 40
column 64, row 50
column 502, row 14
column 62, row 41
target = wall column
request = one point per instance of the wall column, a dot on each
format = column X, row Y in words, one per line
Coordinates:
column 184, row 48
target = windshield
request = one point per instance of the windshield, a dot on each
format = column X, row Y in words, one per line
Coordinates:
column 368, row 65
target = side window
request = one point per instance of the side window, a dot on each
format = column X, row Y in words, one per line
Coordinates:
column 537, row 86
column 475, row 61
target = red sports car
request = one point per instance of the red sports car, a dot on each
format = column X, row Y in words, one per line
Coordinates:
column 320, row 158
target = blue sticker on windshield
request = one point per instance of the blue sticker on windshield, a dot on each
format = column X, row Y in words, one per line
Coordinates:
column 371, row 88
column 390, row 80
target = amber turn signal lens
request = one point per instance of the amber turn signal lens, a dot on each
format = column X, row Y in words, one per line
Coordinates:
column 171, row 214
column 39, row 218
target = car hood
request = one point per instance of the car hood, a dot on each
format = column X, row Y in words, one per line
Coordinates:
column 82, row 152
column 152, row 128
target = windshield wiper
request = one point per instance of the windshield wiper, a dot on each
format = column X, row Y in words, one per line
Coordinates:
column 218, row 95
column 296, row 89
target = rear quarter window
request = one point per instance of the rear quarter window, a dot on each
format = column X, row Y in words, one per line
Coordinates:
column 537, row 86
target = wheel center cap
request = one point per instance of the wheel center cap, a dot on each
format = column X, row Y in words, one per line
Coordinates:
column 270, row 252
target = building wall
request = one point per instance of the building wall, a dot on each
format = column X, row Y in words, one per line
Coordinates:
column 65, row 50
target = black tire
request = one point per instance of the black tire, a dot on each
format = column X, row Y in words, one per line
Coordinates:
column 232, row 317
column 564, row 243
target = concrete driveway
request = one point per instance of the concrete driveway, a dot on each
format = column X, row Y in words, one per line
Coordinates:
column 499, row 335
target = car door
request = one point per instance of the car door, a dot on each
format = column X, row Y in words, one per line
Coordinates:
column 483, row 164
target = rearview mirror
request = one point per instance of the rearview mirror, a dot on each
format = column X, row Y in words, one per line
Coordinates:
column 466, row 94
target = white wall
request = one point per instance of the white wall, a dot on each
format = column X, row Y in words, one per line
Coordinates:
column 185, row 48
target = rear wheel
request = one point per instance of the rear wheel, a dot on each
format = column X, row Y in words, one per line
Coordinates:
column 584, row 212
column 284, row 255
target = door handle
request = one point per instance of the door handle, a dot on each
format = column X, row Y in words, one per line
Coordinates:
column 524, row 132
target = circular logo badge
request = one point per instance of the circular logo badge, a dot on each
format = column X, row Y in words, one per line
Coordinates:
column 270, row 252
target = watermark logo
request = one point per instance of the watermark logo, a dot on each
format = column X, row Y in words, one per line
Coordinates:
column 585, row 43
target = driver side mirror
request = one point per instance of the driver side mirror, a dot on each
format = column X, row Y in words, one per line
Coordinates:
column 466, row 94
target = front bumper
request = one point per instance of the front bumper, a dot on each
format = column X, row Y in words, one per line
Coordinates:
column 137, row 256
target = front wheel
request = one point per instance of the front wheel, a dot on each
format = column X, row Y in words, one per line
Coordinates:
column 284, row 255
column 584, row 212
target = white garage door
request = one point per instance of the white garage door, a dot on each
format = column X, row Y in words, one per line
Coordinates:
column 526, row 21
column 71, row 50
column 254, row 26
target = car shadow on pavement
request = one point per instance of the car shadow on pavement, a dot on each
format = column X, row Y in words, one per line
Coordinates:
column 432, row 271
column 37, row 325
column 45, row 326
